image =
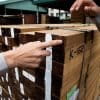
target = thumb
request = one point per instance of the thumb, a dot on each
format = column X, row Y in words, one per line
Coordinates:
column 91, row 11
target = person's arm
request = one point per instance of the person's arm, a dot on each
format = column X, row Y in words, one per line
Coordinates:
column 27, row 55
column 90, row 8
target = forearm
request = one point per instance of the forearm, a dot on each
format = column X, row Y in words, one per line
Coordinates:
column 6, row 61
column 9, row 58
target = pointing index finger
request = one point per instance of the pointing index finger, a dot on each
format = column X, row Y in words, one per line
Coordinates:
column 73, row 7
column 50, row 43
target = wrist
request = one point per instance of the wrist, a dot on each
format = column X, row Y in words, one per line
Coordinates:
column 9, row 57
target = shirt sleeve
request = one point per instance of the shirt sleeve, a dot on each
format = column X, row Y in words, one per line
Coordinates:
column 97, row 21
column 3, row 64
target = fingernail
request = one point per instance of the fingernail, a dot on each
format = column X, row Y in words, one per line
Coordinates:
column 71, row 10
column 60, row 41
column 49, row 53
column 85, row 8
column 38, row 41
column 77, row 8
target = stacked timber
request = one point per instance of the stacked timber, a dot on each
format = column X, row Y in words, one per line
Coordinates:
column 75, row 46
column 75, row 63
column 93, row 74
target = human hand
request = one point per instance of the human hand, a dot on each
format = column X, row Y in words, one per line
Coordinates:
column 89, row 6
column 30, row 54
